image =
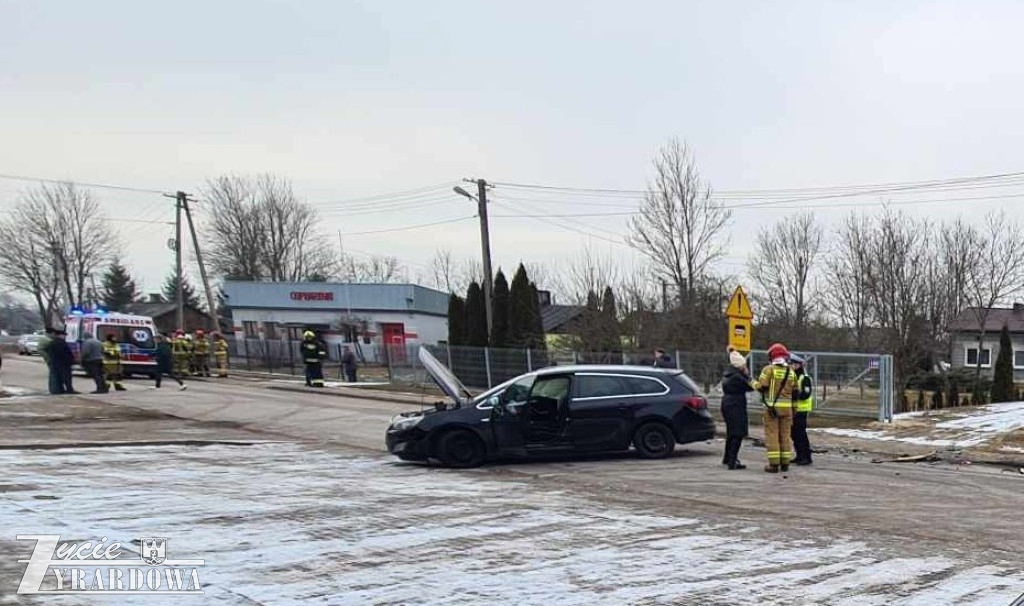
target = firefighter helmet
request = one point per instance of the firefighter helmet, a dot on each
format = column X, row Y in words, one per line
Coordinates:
column 308, row 334
column 776, row 351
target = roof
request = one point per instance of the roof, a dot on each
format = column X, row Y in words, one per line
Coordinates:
column 607, row 369
column 336, row 296
column 554, row 317
column 154, row 310
column 1011, row 317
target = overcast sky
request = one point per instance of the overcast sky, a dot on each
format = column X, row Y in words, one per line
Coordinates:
column 354, row 99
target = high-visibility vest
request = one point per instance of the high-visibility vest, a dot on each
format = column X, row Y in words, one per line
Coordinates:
column 202, row 347
column 804, row 404
column 311, row 352
column 777, row 385
column 222, row 346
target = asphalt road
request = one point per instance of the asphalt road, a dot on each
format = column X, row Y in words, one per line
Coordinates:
column 936, row 525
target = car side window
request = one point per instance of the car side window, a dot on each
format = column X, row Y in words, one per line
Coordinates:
column 645, row 386
column 600, row 386
column 519, row 391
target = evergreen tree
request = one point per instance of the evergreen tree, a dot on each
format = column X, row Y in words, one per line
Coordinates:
column 118, row 287
column 188, row 293
column 520, row 310
column 610, row 321
column 500, row 306
column 536, row 321
column 589, row 327
column 476, row 317
column 1002, row 379
column 456, row 320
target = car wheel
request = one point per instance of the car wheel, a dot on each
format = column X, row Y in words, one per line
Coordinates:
column 654, row 441
column 460, row 448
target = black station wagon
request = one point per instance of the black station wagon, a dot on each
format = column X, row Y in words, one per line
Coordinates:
column 551, row 411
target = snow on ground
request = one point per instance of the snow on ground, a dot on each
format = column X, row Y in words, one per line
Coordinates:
column 963, row 427
column 282, row 524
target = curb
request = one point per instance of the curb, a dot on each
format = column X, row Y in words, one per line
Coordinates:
column 364, row 395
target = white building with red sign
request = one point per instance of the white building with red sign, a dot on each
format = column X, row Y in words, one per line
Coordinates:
column 368, row 314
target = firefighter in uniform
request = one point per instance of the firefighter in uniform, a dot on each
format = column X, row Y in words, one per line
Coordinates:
column 313, row 355
column 190, row 353
column 803, row 403
column 201, row 356
column 220, row 349
column 777, row 383
column 180, row 349
column 112, row 369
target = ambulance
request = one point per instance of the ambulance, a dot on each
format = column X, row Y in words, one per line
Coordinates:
column 134, row 334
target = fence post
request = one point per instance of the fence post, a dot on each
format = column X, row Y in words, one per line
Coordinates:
column 575, row 357
column 487, row 362
column 815, row 378
column 679, row 365
column 529, row 360
column 291, row 354
column 448, row 348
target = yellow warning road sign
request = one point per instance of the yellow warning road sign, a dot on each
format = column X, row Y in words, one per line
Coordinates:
column 739, row 305
column 739, row 333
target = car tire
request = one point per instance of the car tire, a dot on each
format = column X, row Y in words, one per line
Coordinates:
column 460, row 448
column 654, row 441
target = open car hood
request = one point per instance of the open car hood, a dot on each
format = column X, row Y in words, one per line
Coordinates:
column 444, row 378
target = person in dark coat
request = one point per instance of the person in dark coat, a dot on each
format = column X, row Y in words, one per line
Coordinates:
column 662, row 359
column 349, row 364
column 61, row 359
column 736, row 384
column 165, row 361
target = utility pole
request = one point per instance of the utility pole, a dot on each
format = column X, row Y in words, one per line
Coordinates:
column 181, row 201
column 485, row 244
column 210, row 304
column 179, row 297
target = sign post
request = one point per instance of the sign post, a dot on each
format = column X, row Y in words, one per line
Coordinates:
column 740, row 320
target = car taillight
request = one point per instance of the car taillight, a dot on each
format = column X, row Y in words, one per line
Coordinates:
column 695, row 402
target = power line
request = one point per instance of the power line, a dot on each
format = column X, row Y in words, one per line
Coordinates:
column 392, row 195
column 410, row 227
column 83, row 184
column 563, row 190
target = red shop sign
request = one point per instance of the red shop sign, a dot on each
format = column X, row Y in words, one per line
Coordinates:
column 312, row 296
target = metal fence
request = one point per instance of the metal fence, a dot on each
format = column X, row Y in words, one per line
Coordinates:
column 848, row 384
column 282, row 356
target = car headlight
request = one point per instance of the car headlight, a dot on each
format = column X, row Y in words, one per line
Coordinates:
column 404, row 423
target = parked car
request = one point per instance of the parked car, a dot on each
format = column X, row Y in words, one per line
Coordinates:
column 29, row 344
column 551, row 411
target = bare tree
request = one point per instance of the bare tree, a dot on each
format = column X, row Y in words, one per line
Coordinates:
column 453, row 275
column 377, row 269
column 259, row 230
column 59, row 238
column 679, row 227
column 846, row 294
column 588, row 272
column 783, row 260
column 998, row 272
column 900, row 247
column 961, row 247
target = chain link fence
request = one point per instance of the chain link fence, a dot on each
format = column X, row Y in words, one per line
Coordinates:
column 282, row 356
column 846, row 384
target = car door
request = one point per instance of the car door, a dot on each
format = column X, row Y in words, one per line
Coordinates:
column 545, row 416
column 507, row 420
column 600, row 412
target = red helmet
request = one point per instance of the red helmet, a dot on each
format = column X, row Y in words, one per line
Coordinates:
column 777, row 350
column 199, row 332
column 179, row 332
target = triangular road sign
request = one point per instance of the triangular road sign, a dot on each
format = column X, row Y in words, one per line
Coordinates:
column 739, row 305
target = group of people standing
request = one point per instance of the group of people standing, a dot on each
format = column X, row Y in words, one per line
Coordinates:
column 177, row 357
column 787, row 398
column 314, row 351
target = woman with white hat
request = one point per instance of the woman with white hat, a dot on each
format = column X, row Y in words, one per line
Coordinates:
column 735, row 386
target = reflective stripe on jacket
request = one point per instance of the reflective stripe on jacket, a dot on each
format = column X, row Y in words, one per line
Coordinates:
column 803, row 397
column 776, row 383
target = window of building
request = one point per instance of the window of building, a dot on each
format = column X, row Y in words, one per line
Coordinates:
column 250, row 329
column 972, row 357
column 1018, row 359
column 270, row 330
